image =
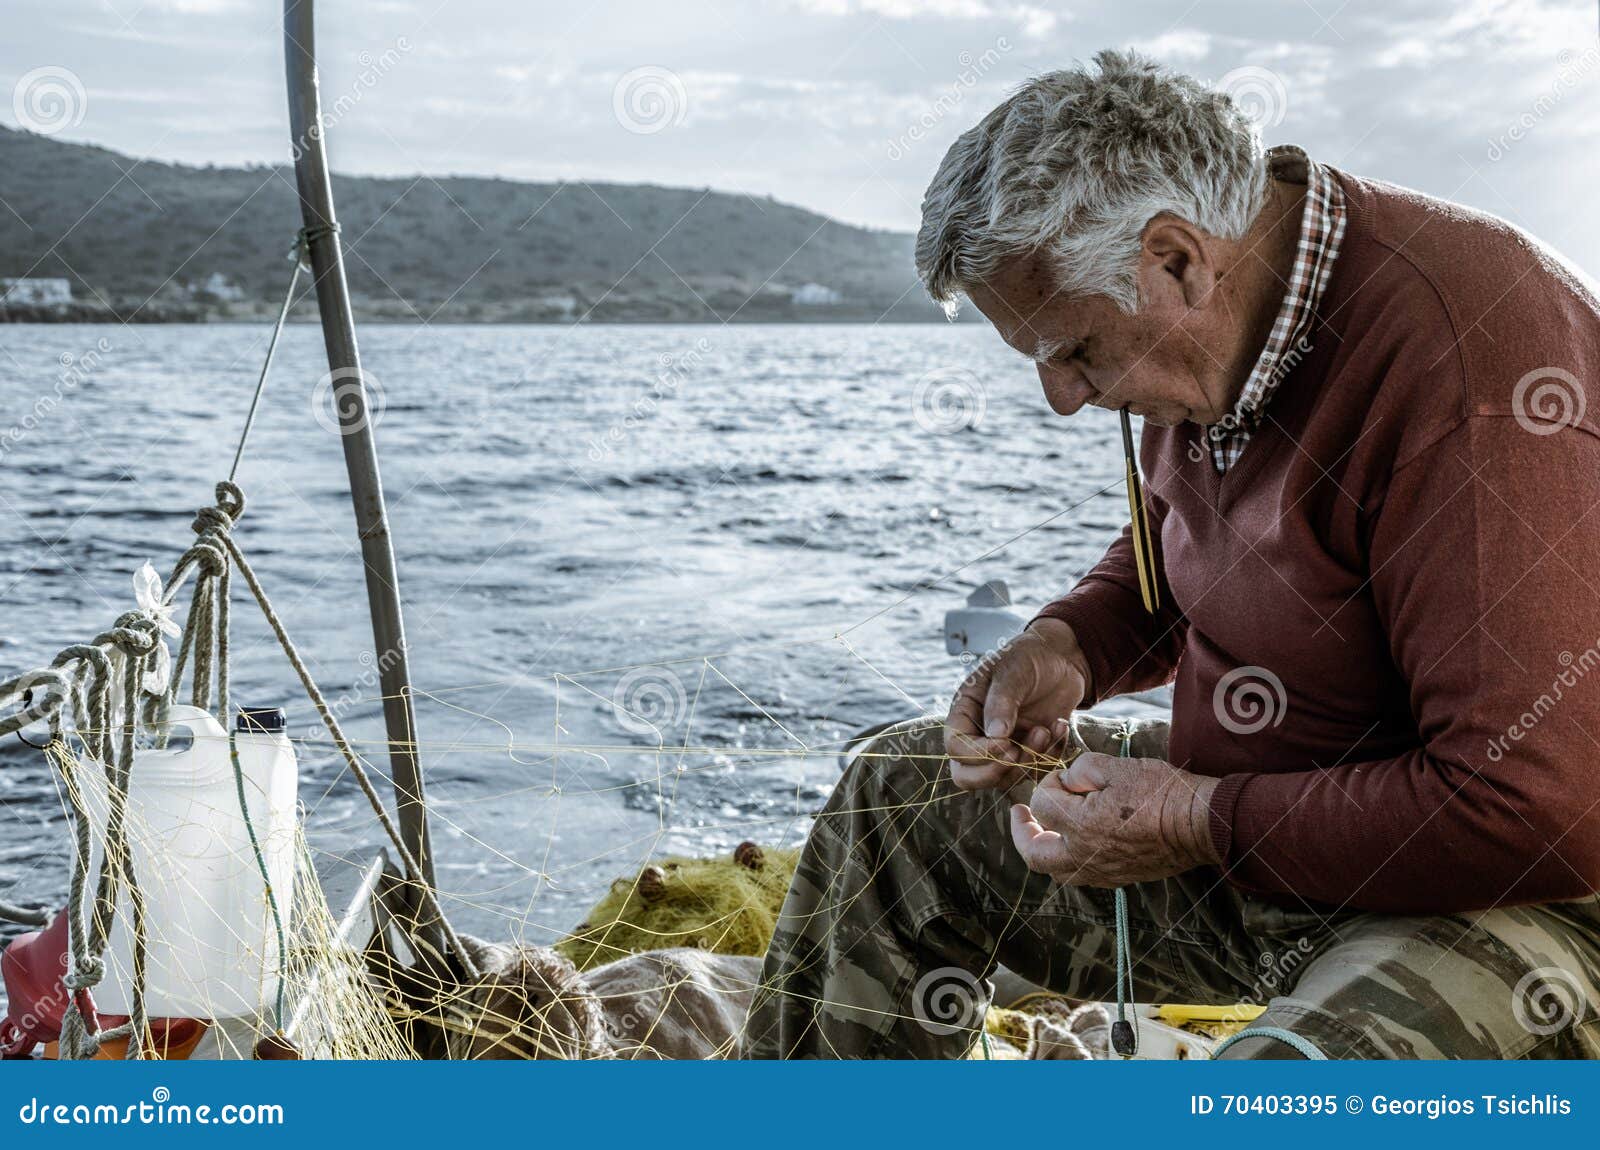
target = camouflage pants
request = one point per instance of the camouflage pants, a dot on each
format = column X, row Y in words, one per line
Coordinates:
column 909, row 893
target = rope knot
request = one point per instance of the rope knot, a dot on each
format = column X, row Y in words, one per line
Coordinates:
column 219, row 518
column 230, row 500
column 87, row 973
column 134, row 633
column 208, row 555
column 211, row 521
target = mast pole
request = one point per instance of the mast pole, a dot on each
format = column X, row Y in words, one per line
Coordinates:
column 360, row 449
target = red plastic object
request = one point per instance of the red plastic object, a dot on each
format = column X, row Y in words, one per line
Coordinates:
column 34, row 966
column 36, row 999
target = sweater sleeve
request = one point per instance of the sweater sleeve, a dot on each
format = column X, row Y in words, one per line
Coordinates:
column 1485, row 569
column 1128, row 648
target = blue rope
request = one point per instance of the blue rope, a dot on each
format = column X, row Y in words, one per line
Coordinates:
column 1124, row 1034
column 1300, row 1043
column 266, row 878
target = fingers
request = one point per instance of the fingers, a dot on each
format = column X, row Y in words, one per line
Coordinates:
column 1089, row 772
column 987, row 777
column 967, row 710
column 1008, row 690
column 1053, row 805
column 1037, row 741
column 984, row 764
column 964, row 738
column 978, row 752
column 1045, row 851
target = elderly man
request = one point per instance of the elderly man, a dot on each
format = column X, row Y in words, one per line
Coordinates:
column 1375, row 487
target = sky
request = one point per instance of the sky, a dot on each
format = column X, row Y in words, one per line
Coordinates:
column 843, row 106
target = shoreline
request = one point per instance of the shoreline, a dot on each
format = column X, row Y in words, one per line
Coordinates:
column 87, row 317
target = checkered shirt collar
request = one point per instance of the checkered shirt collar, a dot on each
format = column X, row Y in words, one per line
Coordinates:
column 1321, row 232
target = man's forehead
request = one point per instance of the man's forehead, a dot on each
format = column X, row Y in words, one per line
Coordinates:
column 1026, row 308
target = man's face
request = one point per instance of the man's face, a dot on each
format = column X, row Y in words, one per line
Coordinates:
column 1154, row 363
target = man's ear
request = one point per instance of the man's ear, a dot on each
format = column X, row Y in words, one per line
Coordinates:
column 1175, row 264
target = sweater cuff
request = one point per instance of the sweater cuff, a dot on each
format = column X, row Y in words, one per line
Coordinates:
column 1224, row 805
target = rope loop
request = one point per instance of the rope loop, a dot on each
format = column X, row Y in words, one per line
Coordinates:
column 230, row 500
column 134, row 634
column 88, row 971
column 42, row 694
column 208, row 555
column 300, row 253
column 311, row 233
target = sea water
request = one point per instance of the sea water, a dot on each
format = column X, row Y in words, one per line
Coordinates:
column 654, row 576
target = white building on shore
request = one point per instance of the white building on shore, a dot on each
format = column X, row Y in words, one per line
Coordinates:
column 33, row 291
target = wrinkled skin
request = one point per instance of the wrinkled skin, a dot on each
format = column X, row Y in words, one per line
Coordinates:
column 1102, row 821
column 1108, row 822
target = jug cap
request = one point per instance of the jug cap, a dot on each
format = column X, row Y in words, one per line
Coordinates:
column 259, row 719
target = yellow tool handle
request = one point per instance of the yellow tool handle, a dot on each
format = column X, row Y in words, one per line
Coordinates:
column 1143, row 555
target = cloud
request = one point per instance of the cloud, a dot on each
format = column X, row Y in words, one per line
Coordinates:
column 1179, row 46
column 845, row 106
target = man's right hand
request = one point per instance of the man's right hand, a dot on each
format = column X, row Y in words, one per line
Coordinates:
column 1009, row 709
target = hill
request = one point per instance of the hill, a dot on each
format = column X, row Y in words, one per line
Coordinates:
column 150, row 241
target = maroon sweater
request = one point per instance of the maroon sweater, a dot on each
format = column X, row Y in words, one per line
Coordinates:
column 1410, row 546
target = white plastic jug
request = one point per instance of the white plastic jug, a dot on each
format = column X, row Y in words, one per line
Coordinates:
column 212, row 949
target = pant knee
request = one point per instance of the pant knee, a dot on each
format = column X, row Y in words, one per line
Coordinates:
column 896, row 764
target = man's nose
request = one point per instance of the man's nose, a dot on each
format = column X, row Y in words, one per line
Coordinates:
column 1066, row 391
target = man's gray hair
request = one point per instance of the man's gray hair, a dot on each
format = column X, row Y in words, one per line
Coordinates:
column 1075, row 164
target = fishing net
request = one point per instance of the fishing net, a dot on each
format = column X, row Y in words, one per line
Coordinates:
column 314, row 989
column 727, row 905
column 663, row 964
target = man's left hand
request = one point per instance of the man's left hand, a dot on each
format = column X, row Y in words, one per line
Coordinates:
column 1106, row 822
